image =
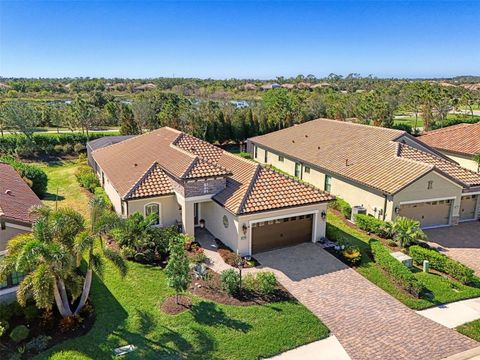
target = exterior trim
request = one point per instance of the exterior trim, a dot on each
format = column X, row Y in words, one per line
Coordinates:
column 160, row 222
column 15, row 226
column 426, row 200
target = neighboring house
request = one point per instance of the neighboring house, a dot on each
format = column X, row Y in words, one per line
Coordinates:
column 266, row 87
column 387, row 171
column 101, row 143
column 459, row 142
column 16, row 200
column 185, row 180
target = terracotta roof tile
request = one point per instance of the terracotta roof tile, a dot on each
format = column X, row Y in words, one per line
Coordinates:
column 154, row 183
column 461, row 139
column 202, row 168
column 16, row 197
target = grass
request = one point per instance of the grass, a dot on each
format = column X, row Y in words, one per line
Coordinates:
column 443, row 289
column 410, row 120
column 128, row 312
column 471, row 329
column 62, row 181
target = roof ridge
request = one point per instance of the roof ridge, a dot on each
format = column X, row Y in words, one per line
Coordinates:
column 448, row 128
column 249, row 188
column 140, row 180
column 126, row 140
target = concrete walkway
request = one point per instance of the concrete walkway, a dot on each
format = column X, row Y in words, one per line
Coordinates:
column 326, row 349
column 454, row 314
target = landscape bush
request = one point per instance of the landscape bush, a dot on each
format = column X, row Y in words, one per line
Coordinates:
column 4, row 326
column 38, row 344
column 442, row 263
column 86, row 178
column 249, row 282
column 100, row 193
column 7, row 311
column 342, row 206
column 79, row 148
column 19, row 333
column 398, row 272
column 370, row 224
column 230, row 281
column 352, row 255
column 266, row 282
column 35, row 176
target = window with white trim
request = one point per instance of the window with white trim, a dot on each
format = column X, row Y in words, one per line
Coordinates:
column 153, row 208
column 205, row 188
column 430, row 185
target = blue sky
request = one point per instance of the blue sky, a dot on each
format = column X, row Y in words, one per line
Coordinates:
column 238, row 39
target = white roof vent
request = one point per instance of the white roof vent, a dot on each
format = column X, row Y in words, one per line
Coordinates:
column 8, row 192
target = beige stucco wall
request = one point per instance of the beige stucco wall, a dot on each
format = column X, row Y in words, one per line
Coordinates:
column 169, row 212
column 112, row 194
column 213, row 214
column 443, row 188
column 463, row 161
column 9, row 233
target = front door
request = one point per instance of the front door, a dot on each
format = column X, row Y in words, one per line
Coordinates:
column 195, row 214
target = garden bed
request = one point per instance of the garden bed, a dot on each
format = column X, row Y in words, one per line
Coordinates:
column 47, row 328
column 211, row 290
column 231, row 258
column 172, row 307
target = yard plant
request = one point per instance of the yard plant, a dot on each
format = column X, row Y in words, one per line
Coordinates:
column 178, row 269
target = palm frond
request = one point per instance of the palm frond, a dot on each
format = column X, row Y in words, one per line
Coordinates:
column 97, row 264
column 42, row 282
column 117, row 260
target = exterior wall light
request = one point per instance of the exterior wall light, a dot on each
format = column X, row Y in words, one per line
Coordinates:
column 397, row 210
column 244, row 229
column 323, row 215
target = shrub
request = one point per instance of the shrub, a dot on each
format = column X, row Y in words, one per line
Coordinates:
column 68, row 148
column 101, row 194
column 199, row 257
column 392, row 243
column 87, row 178
column 19, row 333
column 342, row 206
column 4, row 326
column 249, row 282
column 58, row 148
column 79, row 148
column 267, row 282
column 7, row 311
column 245, row 155
column 230, row 281
column 399, row 274
column 128, row 252
column 38, row 344
column 69, row 323
column 352, row 255
column 37, row 176
column 370, row 224
column 442, row 263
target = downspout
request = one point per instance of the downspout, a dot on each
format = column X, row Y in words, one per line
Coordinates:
column 385, row 207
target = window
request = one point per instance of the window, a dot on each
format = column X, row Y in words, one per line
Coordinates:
column 307, row 169
column 430, row 184
column 298, row 170
column 205, row 187
column 281, row 158
column 266, row 157
column 255, row 152
column 153, row 209
column 328, row 183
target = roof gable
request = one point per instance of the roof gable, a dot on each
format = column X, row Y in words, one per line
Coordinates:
column 461, row 138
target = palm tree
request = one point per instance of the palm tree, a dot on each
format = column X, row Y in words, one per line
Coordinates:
column 407, row 231
column 47, row 259
column 476, row 158
column 102, row 221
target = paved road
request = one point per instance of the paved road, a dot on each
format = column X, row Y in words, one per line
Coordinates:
column 369, row 323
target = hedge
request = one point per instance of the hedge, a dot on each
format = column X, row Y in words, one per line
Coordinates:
column 46, row 144
column 87, row 178
column 442, row 263
column 35, row 175
column 370, row 224
column 342, row 206
column 398, row 272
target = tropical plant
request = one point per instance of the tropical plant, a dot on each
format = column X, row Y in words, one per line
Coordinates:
column 178, row 270
column 230, row 281
column 407, row 231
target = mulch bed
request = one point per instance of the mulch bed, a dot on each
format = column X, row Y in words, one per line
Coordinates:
column 171, row 307
column 231, row 258
column 211, row 290
column 48, row 327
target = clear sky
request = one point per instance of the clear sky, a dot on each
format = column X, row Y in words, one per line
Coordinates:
column 239, row 39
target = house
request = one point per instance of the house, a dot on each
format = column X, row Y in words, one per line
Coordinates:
column 386, row 171
column 102, row 142
column 185, row 180
column 266, row 87
column 16, row 200
column 144, row 87
column 459, row 142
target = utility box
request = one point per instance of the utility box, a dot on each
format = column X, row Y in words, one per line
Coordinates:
column 358, row 210
column 403, row 258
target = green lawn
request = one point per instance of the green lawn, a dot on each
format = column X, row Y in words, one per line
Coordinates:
column 443, row 289
column 61, row 180
column 128, row 312
column 471, row 329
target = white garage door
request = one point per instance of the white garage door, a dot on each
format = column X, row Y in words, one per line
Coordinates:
column 432, row 213
column 468, row 205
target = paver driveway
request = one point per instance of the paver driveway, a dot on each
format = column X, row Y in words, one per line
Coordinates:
column 461, row 243
column 369, row 323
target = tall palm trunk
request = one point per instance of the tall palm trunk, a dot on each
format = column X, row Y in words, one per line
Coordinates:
column 60, row 301
column 86, row 291
column 64, row 296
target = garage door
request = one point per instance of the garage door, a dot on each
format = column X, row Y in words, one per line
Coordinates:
column 433, row 213
column 467, row 207
column 268, row 235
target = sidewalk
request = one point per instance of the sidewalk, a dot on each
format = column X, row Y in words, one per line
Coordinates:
column 454, row 314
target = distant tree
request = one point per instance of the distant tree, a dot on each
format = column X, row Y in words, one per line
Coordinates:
column 413, row 99
column 282, row 108
column 128, row 125
column 145, row 114
column 85, row 113
column 20, row 116
column 177, row 269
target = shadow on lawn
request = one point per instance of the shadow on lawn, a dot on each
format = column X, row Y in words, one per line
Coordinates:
column 52, row 197
column 210, row 314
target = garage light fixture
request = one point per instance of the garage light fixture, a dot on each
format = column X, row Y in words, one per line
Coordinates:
column 397, row 210
column 323, row 215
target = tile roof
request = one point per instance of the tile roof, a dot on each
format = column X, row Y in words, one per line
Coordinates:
column 153, row 183
column 449, row 168
column 16, row 197
column 250, row 187
column 461, row 139
column 365, row 154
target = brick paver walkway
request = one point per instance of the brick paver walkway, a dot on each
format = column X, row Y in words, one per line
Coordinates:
column 369, row 323
column 461, row 243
